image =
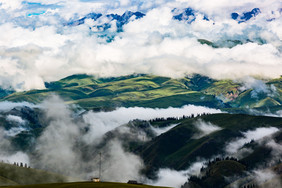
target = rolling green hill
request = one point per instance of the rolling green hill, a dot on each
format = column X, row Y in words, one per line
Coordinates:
column 15, row 175
column 22, row 177
column 154, row 91
column 139, row 90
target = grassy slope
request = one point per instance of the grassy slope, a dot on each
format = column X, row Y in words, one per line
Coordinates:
column 144, row 90
column 11, row 174
column 83, row 185
column 178, row 149
column 5, row 181
column 153, row 91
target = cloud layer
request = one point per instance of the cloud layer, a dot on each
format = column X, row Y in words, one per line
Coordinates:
column 234, row 146
column 205, row 128
column 79, row 141
column 36, row 45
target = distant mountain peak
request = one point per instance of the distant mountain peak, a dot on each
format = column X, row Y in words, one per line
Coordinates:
column 120, row 19
column 246, row 15
column 188, row 15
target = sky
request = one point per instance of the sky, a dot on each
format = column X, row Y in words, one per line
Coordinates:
column 38, row 44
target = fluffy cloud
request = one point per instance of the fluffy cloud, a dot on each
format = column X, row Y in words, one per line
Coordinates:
column 255, row 135
column 76, row 153
column 160, row 131
column 258, row 87
column 205, row 128
column 102, row 122
column 16, row 119
column 37, row 48
column 7, row 106
column 173, row 178
column 11, row 5
column 7, row 152
column 267, row 178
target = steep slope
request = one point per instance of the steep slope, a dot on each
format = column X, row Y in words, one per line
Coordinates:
column 181, row 146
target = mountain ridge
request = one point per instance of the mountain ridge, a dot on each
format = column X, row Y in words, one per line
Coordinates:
column 158, row 92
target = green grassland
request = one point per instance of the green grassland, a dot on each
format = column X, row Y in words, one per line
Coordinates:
column 153, row 91
column 83, row 185
column 141, row 90
column 22, row 177
column 15, row 175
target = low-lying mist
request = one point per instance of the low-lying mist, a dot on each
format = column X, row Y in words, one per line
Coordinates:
column 71, row 144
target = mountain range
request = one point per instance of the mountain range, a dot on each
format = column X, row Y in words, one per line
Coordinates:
column 188, row 15
column 159, row 92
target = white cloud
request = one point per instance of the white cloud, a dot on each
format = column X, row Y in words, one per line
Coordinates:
column 234, row 146
column 15, row 131
column 40, row 48
column 60, row 148
column 258, row 87
column 7, row 106
column 76, row 154
column 119, row 159
column 16, row 119
column 267, row 178
column 173, row 178
column 102, row 122
column 11, row 4
column 7, row 153
column 55, row 145
column 18, row 157
column 205, row 128
column 162, row 130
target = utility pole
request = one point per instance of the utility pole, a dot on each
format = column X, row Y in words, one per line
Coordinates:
column 100, row 166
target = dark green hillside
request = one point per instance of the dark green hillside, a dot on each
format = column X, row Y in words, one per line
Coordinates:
column 217, row 174
column 15, row 175
column 85, row 185
column 177, row 148
column 154, row 91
